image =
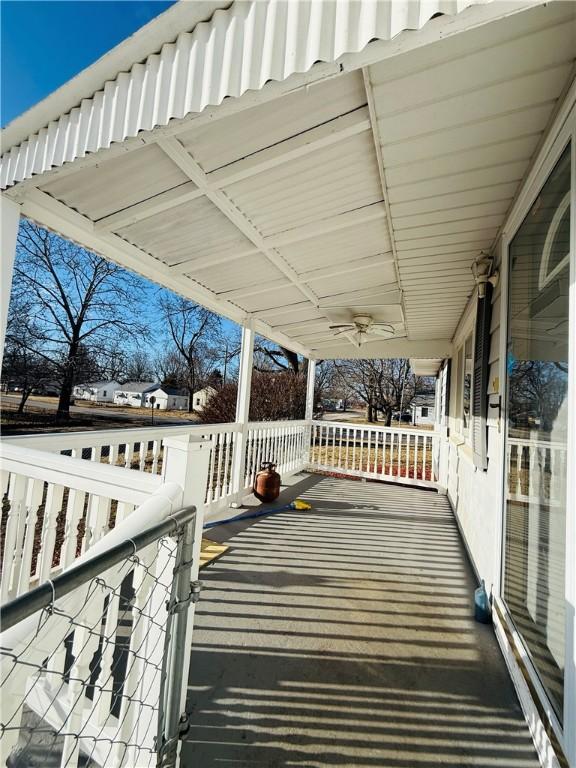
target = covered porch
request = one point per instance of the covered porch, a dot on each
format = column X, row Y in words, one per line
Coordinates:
column 344, row 636
column 349, row 190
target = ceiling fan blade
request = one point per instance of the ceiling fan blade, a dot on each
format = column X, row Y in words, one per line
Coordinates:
column 387, row 336
column 351, row 326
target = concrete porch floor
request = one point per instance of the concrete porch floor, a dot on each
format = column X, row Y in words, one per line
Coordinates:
column 344, row 636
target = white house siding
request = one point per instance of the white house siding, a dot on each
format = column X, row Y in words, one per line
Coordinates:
column 99, row 394
column 165, row 402
column 474, row 494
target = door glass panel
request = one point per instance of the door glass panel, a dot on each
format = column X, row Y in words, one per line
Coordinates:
column 537, row 392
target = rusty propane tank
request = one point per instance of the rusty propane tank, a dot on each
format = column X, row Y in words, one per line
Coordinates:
column 267, row 482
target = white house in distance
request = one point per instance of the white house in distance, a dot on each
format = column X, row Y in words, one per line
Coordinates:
column 131, row 393
column 96, row 391
column 200, row 398
column 165, row 399
column 423, row 411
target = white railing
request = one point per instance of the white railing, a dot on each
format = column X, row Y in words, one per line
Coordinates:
column 87, row 655
column 283, row 442
column 55, row 510
column 536, row 469
column 374, row 452
column 62, row 658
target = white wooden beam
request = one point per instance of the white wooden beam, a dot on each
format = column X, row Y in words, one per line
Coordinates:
column 383, row 182
column 370, row 262
column 256, row 289
column 242, row 411
column 274, row 89
column 179, row 195
column 302, row 324
column 378, row 295
column 184, row 160
column 56, row 216
column 319, row 137
column 310, row 382
column 392, row 348
column 10, row 221
column 211, row 260
column 330, row 224
column 282, row 309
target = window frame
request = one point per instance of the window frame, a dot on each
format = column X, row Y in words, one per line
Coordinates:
column 561, row 134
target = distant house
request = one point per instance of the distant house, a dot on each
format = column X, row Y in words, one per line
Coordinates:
column 166, row 398
column 423, row 409
column 200, row 398
column 132, row 393
column 96, row 391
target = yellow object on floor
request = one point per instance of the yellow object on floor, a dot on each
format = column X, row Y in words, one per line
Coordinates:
column 299, row 504
column 210, row 551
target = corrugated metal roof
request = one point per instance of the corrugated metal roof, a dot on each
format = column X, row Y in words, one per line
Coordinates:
column 239, row 49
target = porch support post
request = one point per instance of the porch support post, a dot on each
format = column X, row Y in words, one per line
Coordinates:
column 9, row 221
column 242, row 412
column 186, row 463
column 310, row 389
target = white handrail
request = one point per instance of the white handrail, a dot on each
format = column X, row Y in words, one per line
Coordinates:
column 16, row 642
column 390, row 454
column 374, row 427
column 103, row 480
column 98, row 438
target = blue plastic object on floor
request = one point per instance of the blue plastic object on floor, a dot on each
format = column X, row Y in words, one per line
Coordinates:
column 482, row 611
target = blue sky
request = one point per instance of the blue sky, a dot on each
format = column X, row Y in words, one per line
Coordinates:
column 45, row 42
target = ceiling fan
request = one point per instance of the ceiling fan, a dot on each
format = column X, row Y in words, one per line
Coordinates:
column 363, row 326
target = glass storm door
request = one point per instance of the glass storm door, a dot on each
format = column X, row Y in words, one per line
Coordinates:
column 536, row 440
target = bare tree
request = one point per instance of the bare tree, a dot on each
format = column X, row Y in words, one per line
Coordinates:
column 22, row 367
column 138, row 366
column 170, row 369
column 79, row 303
column 385, row 386
column 228, row 350
column 269, row 356
column 195, row 332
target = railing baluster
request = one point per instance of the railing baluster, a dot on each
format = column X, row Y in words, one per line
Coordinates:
column 96, row 520
column 211, row 492
column 123, row 510
column 368, row 450
column 156, row 445
column 14, row 532
column 112, row 454
column 33, row 501
column 128, row 453
column 218, row 446
column 102, row 701
column 74, row 511
column 230, row 437
column 142, row 453
column 52, row 508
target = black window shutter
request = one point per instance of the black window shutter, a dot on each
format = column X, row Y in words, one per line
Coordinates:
column 480, row 379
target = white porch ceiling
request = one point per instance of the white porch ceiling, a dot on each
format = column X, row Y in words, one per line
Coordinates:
column 370, row 192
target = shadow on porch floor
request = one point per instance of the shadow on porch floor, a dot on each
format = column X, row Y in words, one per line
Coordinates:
column 344, row 636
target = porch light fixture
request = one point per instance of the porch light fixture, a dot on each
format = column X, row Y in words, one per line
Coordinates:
column 481, row 269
